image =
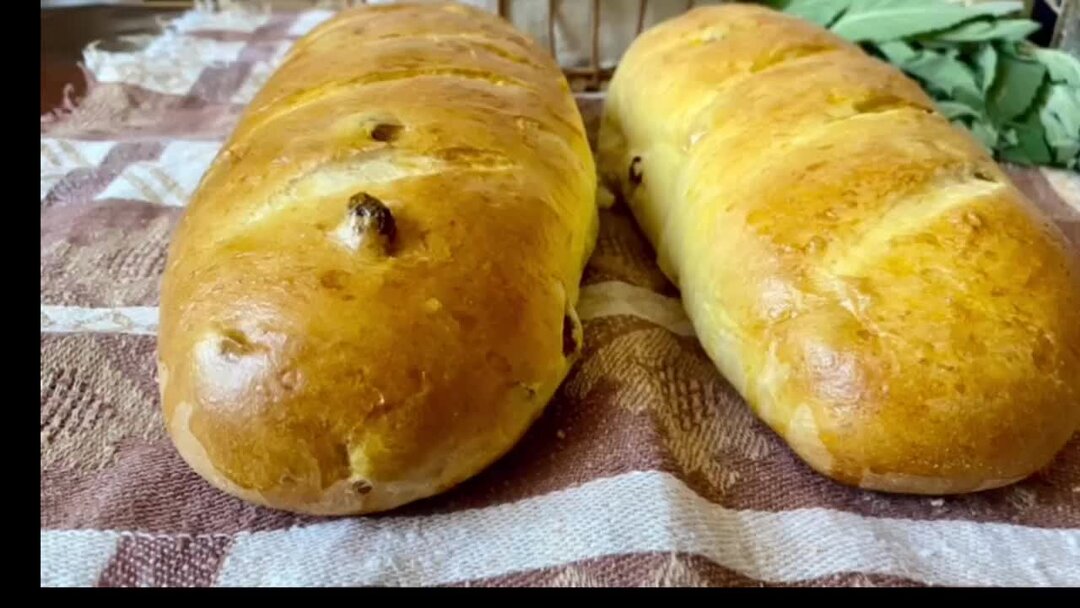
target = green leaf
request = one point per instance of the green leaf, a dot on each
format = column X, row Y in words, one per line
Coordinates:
column 1062, row 66
column 873, row 5
column 937, row 45
column 1063, row 107
column 953, row 110
column 985, row 133
column 986, row 65
column 1060, row 116
column 1030, row 148
column 946, row 74
column 1017, row 86
column 983, row 30
column 821, row 12
column 896, row 20
column 896, row 52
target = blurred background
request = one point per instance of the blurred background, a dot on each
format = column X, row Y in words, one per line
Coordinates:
column 587, row 36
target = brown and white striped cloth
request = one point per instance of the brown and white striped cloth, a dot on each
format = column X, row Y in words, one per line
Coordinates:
column 647, row 469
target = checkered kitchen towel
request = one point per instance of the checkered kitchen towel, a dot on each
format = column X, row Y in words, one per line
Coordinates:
column 647, row 469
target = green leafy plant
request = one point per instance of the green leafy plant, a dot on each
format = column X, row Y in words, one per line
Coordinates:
column 1022, row 101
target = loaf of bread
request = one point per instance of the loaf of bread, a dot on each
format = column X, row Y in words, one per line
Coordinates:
column 861, row 271
column 371, row 295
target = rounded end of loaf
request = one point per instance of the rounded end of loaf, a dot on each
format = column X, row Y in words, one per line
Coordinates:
column 270, row 405
column 349, row 381
column 960, row 377
column 936, row 464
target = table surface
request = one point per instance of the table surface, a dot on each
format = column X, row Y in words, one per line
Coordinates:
column 65, row 32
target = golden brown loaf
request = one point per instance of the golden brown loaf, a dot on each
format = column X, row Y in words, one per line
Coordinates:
column 861, row 271
column 370, row 297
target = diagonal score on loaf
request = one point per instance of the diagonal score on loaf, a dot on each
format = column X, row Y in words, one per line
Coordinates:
column 343, row 178
column 904, row 218
column 261, row 118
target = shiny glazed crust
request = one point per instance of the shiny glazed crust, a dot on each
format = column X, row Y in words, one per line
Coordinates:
column 860, row 270
column 370, row 296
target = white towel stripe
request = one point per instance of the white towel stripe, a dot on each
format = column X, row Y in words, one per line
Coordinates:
column 617, row 298
column 650, row 512
column 75, row 558
column 142, row 320
column 630, row 513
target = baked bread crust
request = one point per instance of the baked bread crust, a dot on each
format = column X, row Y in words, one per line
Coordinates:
column 860, row 270
column 370, row 297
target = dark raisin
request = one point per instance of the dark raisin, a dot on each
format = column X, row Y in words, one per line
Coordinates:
column 235, row 344
column 371, row 213
column 569, row 337
column 635, row 171
column 361, row 487
column 530, row 392
column 332, row 279
column 984, row 175
column 385, row 132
